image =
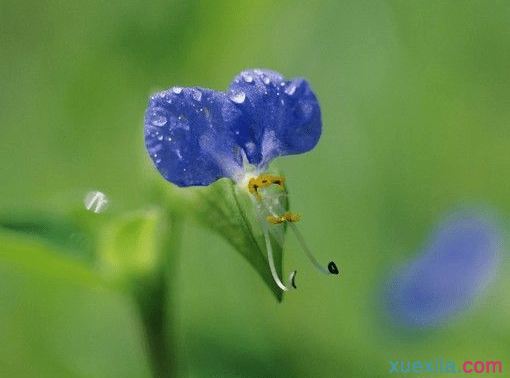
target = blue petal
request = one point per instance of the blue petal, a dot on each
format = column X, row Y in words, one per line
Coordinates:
column 279, row 117
column 456, row 265
column 189, row 136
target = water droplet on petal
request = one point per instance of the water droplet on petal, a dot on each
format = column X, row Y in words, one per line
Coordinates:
column 205, row 112
column 265, row 79
column 183, row 122
column 160, row 137
column 196, row 94
column 307, row 109
column 177, row 90
column 247, row 78
column 157, row 117
column 96, row 201
column 154, row 149
column 238, row 97
column 290, row 90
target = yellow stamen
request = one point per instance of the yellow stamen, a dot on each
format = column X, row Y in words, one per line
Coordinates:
column 263, row 181
column 286, row 217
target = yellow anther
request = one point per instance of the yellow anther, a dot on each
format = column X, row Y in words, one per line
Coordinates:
column 286, row 217
column 263, row 181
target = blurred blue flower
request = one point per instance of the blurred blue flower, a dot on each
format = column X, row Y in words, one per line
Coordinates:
column 196, row 135
column 458, row 262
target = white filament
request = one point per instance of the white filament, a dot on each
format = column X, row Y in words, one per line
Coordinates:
column 300, row 238
column 273, row 268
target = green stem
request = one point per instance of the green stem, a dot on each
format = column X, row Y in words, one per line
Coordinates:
column 152, row 308
column 155, row 303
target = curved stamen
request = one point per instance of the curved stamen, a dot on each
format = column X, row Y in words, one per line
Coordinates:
column 292, row 275
column 275, row 210
column 332, row 268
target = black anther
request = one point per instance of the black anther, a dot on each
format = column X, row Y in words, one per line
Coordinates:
column 332, row 268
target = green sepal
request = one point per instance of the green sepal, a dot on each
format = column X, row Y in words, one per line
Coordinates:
column 230, row 211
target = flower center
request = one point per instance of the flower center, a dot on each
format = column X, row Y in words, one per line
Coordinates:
column 263, row 181
column 286, row 217
column 270, row 209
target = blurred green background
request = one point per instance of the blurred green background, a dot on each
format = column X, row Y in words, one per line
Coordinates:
column 415, row 97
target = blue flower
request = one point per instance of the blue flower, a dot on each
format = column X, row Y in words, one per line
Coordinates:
column 196, row 135
column 458, row 262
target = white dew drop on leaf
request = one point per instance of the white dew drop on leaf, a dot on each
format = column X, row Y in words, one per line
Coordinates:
column 96, row 201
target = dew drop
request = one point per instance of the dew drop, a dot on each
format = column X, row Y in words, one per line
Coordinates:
column 183, row 122
column 160, row 137
column 157, row 118
column 96, row 201
column 238, row 97
column 265, row 79
column 153, row 150
column 177, row 90
column 290, row 90
column 205, row 112
column 196, row 94
column 247, row 78
column 306, row 109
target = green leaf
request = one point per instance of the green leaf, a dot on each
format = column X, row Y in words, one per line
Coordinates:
column 63, row 317
column 231, row 211
column 124, row 250
column 62, row 234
